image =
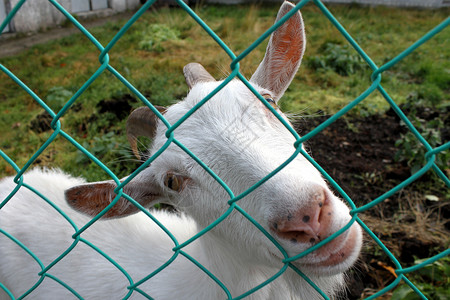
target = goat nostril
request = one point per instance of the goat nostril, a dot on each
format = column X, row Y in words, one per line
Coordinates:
column 310, row 222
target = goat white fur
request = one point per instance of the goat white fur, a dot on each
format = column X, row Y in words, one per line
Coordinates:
column 241, row 141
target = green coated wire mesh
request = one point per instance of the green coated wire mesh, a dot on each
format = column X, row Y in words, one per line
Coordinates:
column 375, row 86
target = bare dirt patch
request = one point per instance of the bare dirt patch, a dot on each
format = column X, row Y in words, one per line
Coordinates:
column 359, row 153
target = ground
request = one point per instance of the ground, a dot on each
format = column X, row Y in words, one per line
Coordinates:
column 13, row 43
column 359, row 155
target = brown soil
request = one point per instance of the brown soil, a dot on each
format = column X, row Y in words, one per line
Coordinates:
column 358, row 153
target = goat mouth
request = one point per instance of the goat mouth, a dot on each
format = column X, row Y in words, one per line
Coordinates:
column 339, row 254
column 334, row 257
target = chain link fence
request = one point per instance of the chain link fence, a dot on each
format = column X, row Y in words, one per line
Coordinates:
column 401, row 271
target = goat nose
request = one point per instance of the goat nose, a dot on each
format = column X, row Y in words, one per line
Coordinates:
column 308, row 224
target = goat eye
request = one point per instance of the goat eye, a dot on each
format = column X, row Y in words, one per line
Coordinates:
column 174, row 182
column 270, row 100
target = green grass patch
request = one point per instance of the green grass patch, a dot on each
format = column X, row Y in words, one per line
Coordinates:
column 433, row 280
column 152, row 53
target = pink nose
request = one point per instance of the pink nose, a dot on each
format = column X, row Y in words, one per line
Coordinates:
column 311, row 223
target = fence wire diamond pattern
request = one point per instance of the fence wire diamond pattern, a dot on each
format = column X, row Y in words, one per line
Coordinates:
column 56, row 126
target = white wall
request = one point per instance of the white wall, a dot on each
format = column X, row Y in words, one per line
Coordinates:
column 402, row 3
column 123, row 5
column 3, row 14
column 38, row 14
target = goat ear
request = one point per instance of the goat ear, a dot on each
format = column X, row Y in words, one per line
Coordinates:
column 195, row 73
column 283, row 54
column 92, row 198
column 142, row 122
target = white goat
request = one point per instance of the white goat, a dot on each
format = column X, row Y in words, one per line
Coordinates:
column 241, row 141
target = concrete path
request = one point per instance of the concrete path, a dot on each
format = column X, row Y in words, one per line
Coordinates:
column 11, row 43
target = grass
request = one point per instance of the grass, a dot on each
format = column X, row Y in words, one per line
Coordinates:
column 152, row 53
